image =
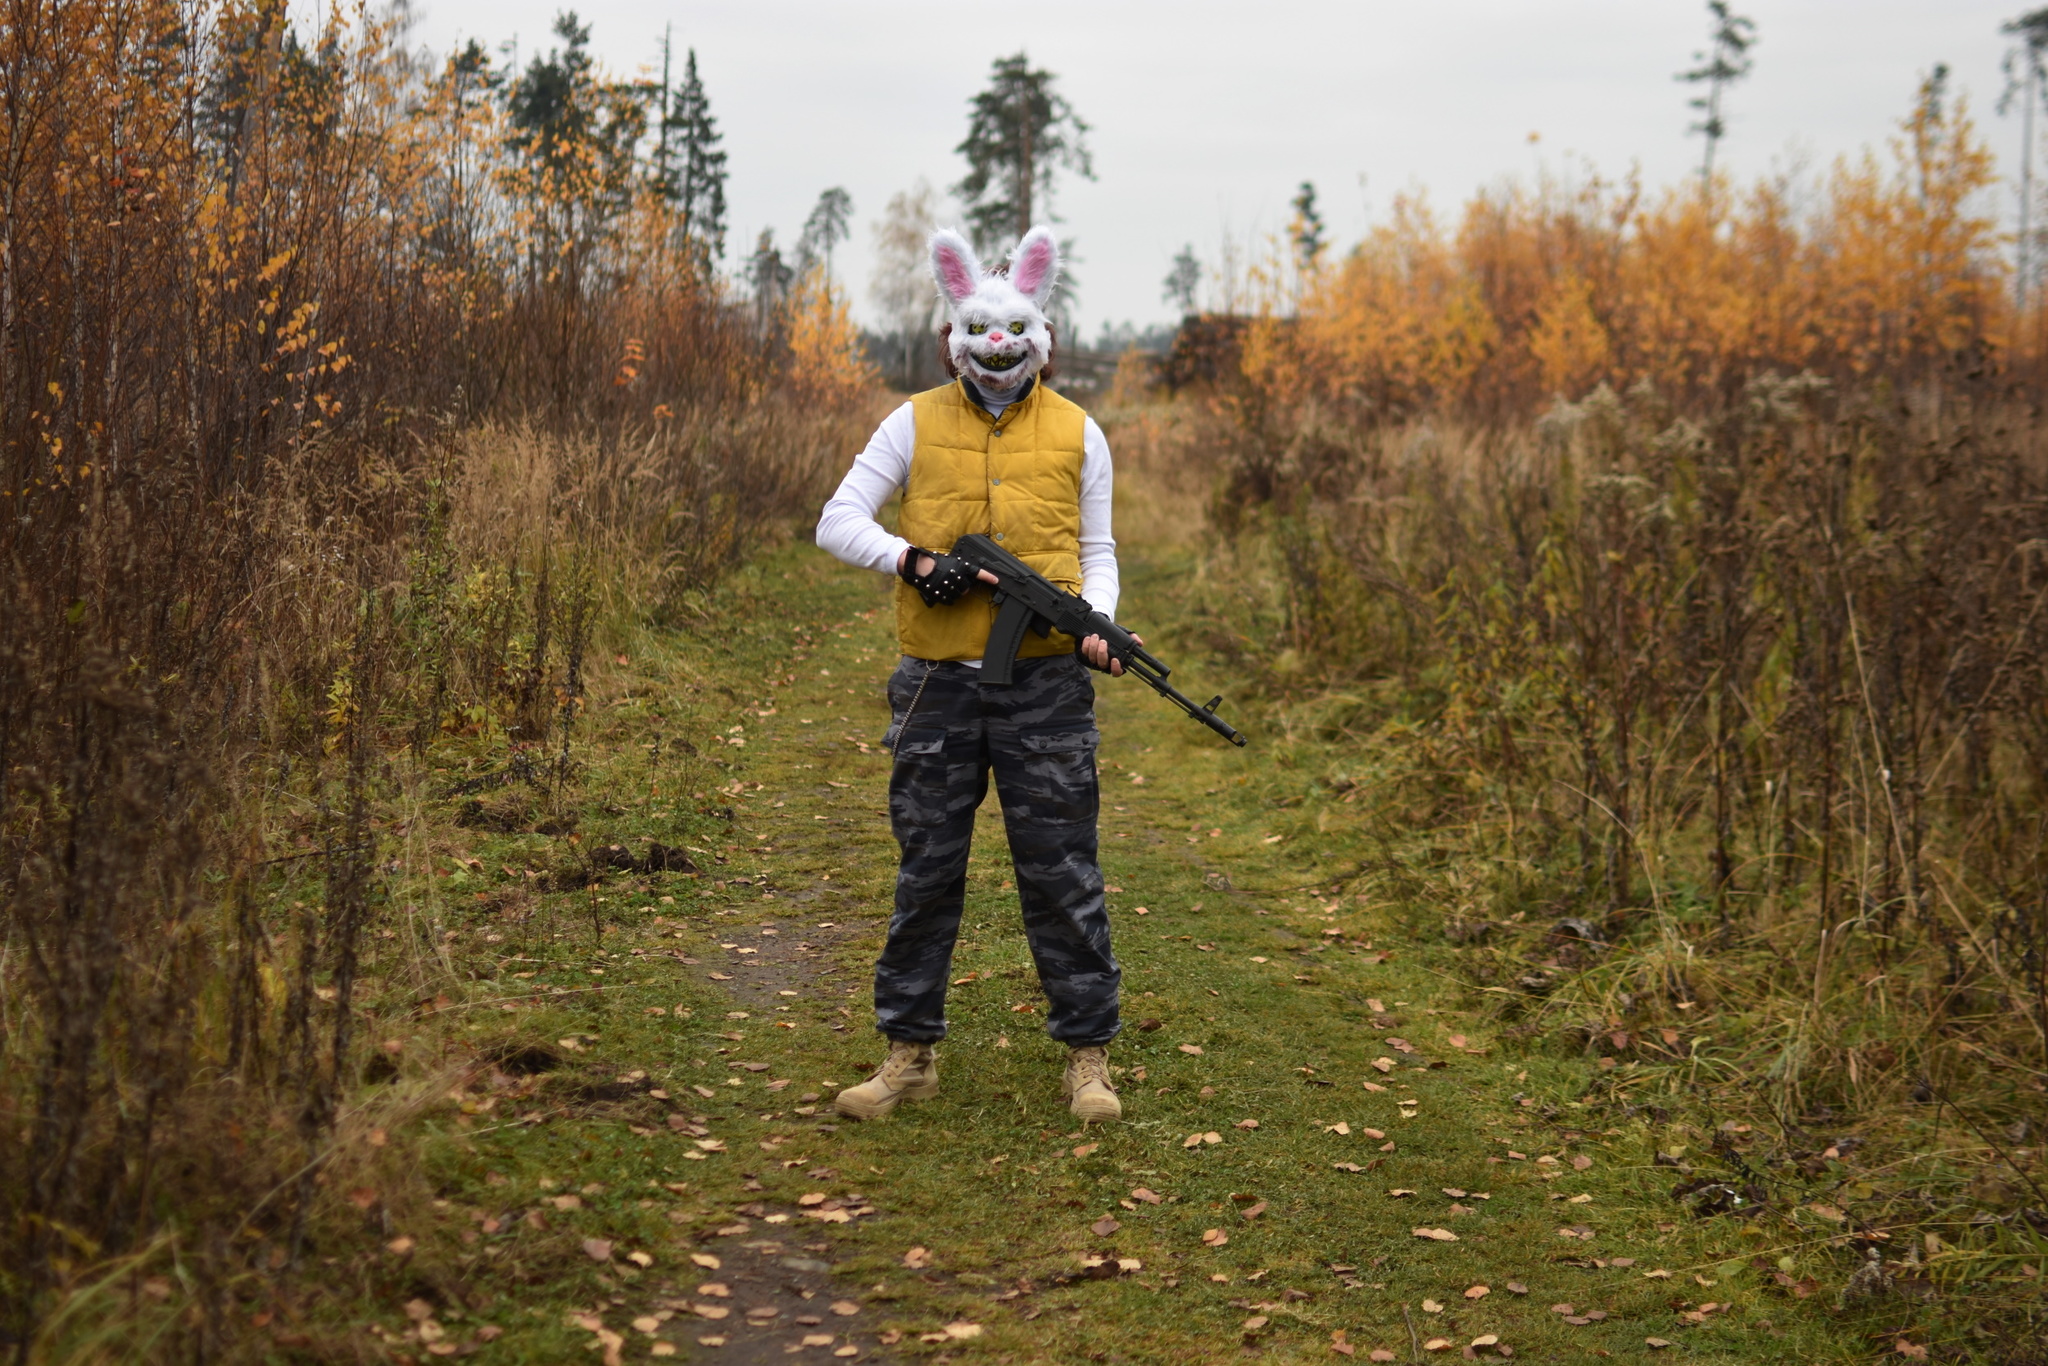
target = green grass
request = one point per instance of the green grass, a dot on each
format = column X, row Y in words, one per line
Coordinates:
column 1263, row 946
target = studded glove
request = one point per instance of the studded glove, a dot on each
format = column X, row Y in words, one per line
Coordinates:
column 947, row 582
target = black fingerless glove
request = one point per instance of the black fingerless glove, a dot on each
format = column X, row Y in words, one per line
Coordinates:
column 947, row 582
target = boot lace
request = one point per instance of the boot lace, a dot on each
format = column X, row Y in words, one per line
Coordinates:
column 1090, row 1067
column 902, row 1058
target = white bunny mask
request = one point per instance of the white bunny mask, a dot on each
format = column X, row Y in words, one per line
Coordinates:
column 1000, row 335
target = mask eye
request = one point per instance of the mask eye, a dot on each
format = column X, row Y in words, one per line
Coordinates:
column 1017, row 329
column 976, row 329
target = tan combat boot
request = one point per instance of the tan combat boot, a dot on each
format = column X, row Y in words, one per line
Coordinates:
column 1087, row 1086
column 911, row 1073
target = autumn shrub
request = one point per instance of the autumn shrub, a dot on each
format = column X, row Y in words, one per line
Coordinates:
column 334, row 419
column 1681, row 552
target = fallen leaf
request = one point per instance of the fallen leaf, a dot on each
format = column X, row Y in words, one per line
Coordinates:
column 1656, row 1344
column 597, row 1249
column 1477, row 1292
column 1441, row 1235
column 1457, row 1040
column 1384, row 1065
column 1255, row 1323
column 845, row 1308
column 1371, row 1133
column 710, row 1311
column 1254, row 1211
column 1432, row 1307
column 1212, row 1137
column 1340, row 1127
column 1191, row 1048
column 1454, row 1192
column 1828, row 1212
column 1372, row 1086
column 399, row 1246
column 1380, row 1354
column 1148, row 1196
column 1398, row 1194
column 1436, row 1344
column 706, row 1260
column 1485, row 1340
column 1581, row 1162
column 1191, row 1141
column 1086, row 1148
column 1215, row 1237
column 1660, row 1274
column 961, row 1329
column 1246, row 1124
column 1517, row 1288
column 1104, row 1226
column 917, row 1259
column 1912, row 1351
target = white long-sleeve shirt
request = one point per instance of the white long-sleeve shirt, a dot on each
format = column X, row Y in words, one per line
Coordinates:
column 848, row 528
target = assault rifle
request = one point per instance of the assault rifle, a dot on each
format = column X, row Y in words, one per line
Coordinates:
column 1024, row 597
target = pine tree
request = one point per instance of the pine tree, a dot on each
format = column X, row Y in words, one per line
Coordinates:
column 770, row 277
column 1307, row 228
column 825, row 229
column 1725, row 62
column 1020, row 133
column 577, row 134
column 2026, row 78
column 689, row 164
column 1183, row 280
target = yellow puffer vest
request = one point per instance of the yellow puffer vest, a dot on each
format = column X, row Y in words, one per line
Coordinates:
column 1017, row 481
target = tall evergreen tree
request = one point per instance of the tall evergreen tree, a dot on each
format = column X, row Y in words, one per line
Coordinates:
column 825, row 229
column 1725, row 62
column 577, row 133
column 770, row 277
column 2026, row 79
column 1183, row 280
column 689, row 164
column 1020, row 134
column 1307, row 228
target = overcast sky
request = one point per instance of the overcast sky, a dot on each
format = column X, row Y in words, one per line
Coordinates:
column 1207, row 115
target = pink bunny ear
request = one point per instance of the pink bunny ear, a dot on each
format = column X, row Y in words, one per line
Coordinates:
column 954, row 265
column 1035, row 267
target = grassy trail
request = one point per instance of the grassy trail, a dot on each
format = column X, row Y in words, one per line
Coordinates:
column 653, row 1169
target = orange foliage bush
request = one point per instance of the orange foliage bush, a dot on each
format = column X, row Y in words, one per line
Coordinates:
column 1538, row 293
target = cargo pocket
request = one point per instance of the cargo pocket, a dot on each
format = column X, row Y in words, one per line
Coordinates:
column 1049, row 777
column 927, row 786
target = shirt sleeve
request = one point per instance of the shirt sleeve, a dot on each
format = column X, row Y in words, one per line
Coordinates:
column 848, row 528
column 1099, row 580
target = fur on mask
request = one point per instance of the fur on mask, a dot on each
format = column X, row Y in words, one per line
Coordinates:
column 997, row 334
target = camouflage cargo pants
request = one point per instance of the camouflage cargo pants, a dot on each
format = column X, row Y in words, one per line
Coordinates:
column 1038, row 737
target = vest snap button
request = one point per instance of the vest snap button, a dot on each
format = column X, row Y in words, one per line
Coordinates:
column 995, row 481
column 999, row 535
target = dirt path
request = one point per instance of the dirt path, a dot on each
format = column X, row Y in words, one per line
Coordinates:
column 1327, row 1151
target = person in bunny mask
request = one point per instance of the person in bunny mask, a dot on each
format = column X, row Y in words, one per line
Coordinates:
column 997, row 452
